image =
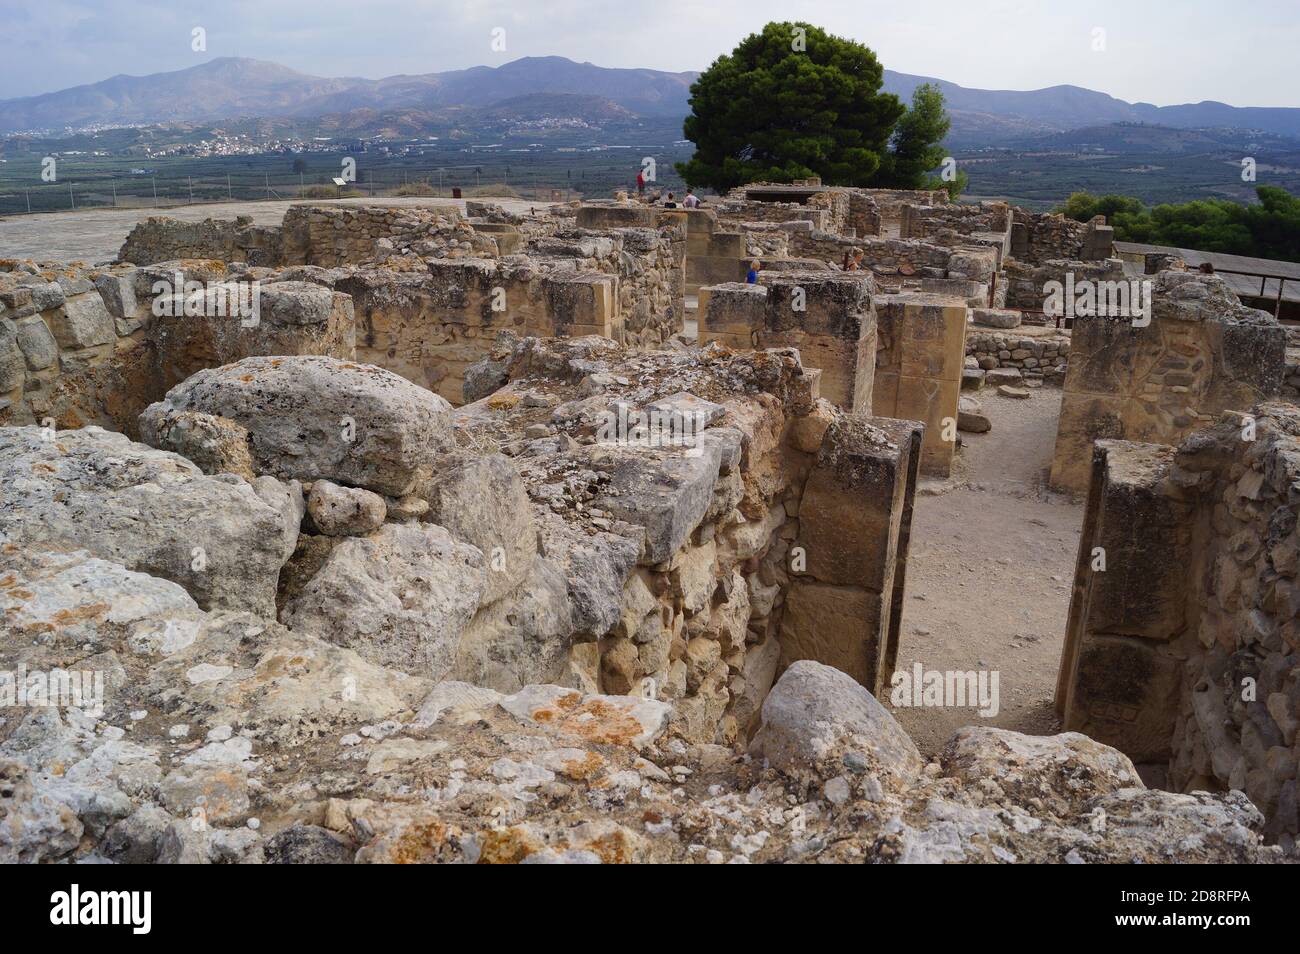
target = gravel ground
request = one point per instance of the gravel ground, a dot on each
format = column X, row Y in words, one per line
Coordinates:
column 96, row 235
column 988, row 579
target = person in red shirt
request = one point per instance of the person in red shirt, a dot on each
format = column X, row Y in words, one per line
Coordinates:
column 640, row 183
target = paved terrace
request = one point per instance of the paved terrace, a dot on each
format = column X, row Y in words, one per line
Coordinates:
column 95, row 235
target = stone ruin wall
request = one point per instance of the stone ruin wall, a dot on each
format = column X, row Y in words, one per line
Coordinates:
column 1202, row 353
column 695, row 578
column 1026, row 283
column 835, row 330
column 81, row 346
column 918, row 375
column 163, row 239
column 545, row 278
column 921, row 222
column 1041, row 237
column 1181, row 651
column 1033, row 356
column 892, row 356
column 430, row 326
column 784, row 540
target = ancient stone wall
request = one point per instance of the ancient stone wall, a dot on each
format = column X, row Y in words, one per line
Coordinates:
column 430, row 325
column 732, row 211
column 780, row 535
column 162, row 239
column 85, row 345
column 1185, row 615
column 827, row 315
column 1201, row 353
column 1045, row 356
column 1041, row 237
column 881, row 254
column 1027, row 285
column 332, row 235
column 920, row 221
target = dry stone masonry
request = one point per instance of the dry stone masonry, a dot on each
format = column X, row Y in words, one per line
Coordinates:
column 445, row 542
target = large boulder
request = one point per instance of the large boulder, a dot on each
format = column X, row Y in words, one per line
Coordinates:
column 482, row 501
column 522, row 638
column 815, row 713
column 1056, row 773
column 314, row 418
column 221, row 538
column 401, row 597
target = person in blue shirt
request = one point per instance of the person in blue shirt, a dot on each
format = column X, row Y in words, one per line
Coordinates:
column 751, row 277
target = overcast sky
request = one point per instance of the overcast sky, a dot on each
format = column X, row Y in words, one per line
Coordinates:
column 1159, row 51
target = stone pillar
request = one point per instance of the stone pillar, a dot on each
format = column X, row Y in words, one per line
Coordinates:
column 919, row 359
column 854, row 524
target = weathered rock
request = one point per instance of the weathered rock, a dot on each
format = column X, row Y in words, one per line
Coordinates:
column 996, row 318
column 451, row 695
column 400, row 597
column 316, row 418
column 310, row 845
column 971, row 417
column 617, row 720
column 216, row 444
column 82, row 322
column 815, row 712
column 595, row 568
column 39, row 348
column 345, row 511
column 481, row 501
column 994, row 377
column 1057, row 773
column 483, row 377
column 521, row 638
column 34, row 826
column 221, row 538
column 667, row 495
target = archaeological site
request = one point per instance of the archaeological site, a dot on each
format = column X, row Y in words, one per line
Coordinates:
column 497, row 531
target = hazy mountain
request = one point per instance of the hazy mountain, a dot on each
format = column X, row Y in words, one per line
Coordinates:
column 233, row 87
column 214, row 90
column 1059, row 108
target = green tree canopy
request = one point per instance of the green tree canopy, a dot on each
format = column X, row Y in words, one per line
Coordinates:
column 1269, row 229
column 915, row 149
column 794, row 101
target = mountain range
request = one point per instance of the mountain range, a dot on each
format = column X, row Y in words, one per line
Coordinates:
column 231, row 87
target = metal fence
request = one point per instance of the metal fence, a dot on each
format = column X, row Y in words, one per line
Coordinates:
column 542, row 178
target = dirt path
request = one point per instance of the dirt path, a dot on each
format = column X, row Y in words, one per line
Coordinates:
column 96, row 235
column 988, row 579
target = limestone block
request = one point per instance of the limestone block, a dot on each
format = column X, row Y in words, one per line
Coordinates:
column 317, row 418
column 400, row 597
column 82, row 322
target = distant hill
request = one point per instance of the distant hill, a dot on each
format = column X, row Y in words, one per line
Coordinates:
column 543, row 106
column 1149, row 138
column 231, row 87
column 1059, row 108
